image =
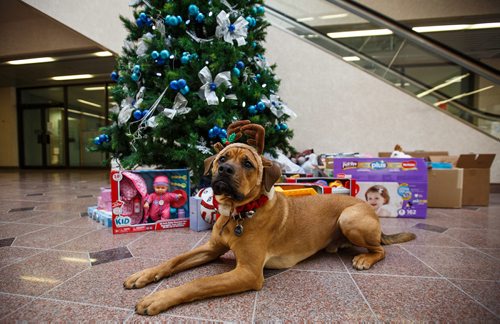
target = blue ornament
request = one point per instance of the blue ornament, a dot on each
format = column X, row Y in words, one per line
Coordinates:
column 144, row 113
column 97, row 140
column 159, row 61
column 211, row 133
column 252, row 110
column 257, row 76
column 179, row 19
column 149, row 21
column 181, row 83
column 143, row 16
column 185, row 59
column 114, row 76
column 261, row 9
column 213, row 86
column 283, row 126
column 164, row 54
column 139, row 23
column 201, row 17
column 223, row 133
column 136, row 69
column 135, row 76
column 261, row 106
column 254, row 44
column 240, row 65
column 137, row 114
column 185, row 90
column 277, row 127
column 236, row 71
column 193, row 10
column 155, row 55
column 193, row 56
column 174, row 85
column 216, row 130
column 102, row 138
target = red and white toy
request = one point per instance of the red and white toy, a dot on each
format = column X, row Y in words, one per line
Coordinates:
column 207, row 210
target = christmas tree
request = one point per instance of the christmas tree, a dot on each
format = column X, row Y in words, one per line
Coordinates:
column 189, row 69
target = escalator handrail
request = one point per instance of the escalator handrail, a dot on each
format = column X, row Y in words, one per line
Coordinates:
column 428, row 43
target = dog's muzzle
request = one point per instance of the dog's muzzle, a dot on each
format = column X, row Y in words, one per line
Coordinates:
column 223, row 182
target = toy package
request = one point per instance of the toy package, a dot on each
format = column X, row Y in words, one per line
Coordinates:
column 148, row 200
column 394, row 187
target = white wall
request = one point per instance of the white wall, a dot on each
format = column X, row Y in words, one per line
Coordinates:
column 344, row 109
column 9, row 156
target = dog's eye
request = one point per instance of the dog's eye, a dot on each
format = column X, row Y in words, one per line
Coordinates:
column 248, row 164
column 222, row 159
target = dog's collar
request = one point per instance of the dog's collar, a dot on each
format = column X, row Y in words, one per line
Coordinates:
column 242, row 212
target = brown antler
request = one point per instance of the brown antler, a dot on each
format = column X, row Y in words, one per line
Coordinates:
column 256, row 134
column 235, row 128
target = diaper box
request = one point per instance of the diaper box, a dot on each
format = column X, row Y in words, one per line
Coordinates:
column 394, row 187
column 149, row 200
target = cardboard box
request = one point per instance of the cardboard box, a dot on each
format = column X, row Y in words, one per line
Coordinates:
column 476, row 183
column 445, row 188
column 196, row 222
column 394, row 187
column 417, row 154
column 130, row 190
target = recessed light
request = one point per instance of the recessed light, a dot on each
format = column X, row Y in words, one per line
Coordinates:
column 103, row 54
column 72, row 77
column 94, row 88
column 93, row 104
column 32, row 60
column 305, row 19
column 342, row 15
column 360, row 33
column 351, row 58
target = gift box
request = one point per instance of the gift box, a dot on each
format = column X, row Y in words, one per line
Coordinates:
column 148, row 200
column 104, row 199
column 394, row 187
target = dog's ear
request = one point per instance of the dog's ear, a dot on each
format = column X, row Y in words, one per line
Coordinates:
column 208, row 164
column 272, row 172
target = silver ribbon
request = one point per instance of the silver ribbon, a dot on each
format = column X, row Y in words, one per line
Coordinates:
column 142, row 47
column 277, row 107
column 261, row 62
column 238, row 34
column 197, row 39
column 179, row 107
column 206, row 78
column 126, row 109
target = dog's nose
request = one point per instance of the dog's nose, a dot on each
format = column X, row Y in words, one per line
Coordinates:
column 226, row 169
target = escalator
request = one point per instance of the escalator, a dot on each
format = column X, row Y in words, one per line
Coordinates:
column 463, row 86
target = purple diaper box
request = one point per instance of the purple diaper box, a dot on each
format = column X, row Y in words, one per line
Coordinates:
column 394, row 187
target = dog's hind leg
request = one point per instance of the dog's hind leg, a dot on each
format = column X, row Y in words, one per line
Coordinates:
column 193, row 258
column 361, row 227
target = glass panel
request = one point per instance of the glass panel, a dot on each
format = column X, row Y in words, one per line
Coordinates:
column 86, row 114
column 55, row 147
column 400, row 61
column 53, row 96
column 33, row 136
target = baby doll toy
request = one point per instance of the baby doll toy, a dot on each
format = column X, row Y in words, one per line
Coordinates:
column 158, row 203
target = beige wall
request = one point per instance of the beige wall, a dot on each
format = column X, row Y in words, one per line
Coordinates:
column 9, row 156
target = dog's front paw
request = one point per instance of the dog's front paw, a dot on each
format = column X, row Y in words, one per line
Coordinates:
column 152, row 304
column 362, row 262
column 142, row 278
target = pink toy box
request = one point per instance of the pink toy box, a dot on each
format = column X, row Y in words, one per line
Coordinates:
column 149, row 200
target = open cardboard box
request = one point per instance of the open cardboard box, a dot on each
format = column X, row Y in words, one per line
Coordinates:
column 444, row 188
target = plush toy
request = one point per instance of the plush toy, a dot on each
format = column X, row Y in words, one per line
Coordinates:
column 311, row 163
column 207, row 209
column 157, row 205
column 398, row 152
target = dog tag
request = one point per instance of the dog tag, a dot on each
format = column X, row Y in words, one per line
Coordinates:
column 238, row 230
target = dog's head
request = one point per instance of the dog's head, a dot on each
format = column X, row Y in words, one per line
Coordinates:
column 240, row 173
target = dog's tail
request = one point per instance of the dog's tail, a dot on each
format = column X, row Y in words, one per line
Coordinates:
column 397, row 238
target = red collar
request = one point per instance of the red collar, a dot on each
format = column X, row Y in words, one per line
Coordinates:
column 257, row 203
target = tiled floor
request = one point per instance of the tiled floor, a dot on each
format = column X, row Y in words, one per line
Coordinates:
column 57, row 264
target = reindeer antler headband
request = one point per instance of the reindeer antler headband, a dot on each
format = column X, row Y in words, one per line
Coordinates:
column 255, row 133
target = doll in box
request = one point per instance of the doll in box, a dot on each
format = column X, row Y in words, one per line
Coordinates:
column 158, row 203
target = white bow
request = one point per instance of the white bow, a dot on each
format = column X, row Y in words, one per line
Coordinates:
column 179, row 107
column 237, row 31
column 277, row 107
column 127, row 108
column 206, row 92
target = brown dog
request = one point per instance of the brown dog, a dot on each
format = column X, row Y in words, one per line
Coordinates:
column 264, row 229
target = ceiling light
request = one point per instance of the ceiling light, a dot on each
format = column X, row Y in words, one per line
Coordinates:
column 305, row 19
column 93, row 88
column 93, row 104
column 442, row 28
column 351, row 58
column 462, row 95
column 360, row 33
column 103, row 54
column 32, row 60
column 442, row 85
column 72, row 77
column 485, row 25
column 342, row 15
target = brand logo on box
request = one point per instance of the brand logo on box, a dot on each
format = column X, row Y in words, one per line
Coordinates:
column 122, row 221
column 349, row 165
column 378, row 165
column 409, row 165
